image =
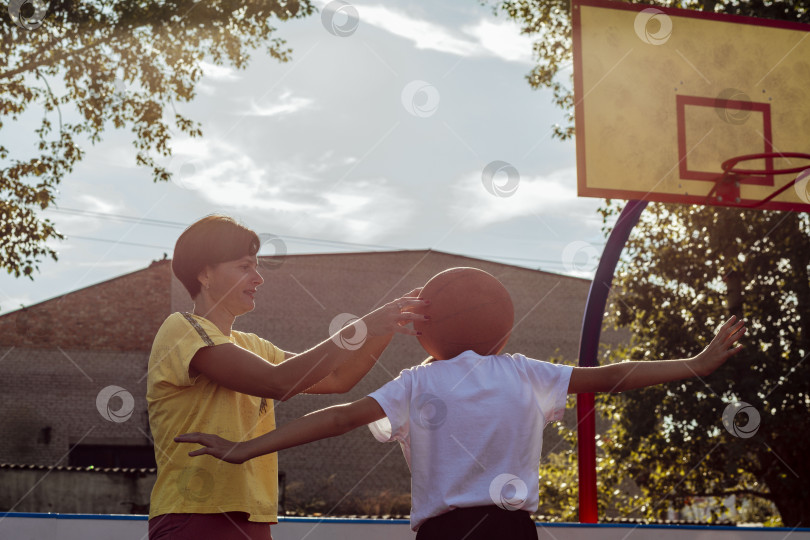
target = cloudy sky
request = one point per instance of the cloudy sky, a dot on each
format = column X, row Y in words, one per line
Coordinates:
column 409, row 127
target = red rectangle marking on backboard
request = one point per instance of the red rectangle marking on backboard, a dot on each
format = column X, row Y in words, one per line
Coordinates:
column 682, row 101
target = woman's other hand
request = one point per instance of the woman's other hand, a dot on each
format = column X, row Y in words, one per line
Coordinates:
column 213, row 445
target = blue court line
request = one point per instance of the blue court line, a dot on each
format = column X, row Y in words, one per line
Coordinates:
column 292, row 519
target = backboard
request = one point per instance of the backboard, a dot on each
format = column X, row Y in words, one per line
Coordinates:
column 664, row 96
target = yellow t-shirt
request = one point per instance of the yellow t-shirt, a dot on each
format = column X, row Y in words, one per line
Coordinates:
column 179, row 404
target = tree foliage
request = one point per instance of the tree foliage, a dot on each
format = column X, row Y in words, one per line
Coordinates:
column 88, row 65
column 685, row 269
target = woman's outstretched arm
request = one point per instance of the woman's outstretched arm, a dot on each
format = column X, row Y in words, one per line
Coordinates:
column 329, row 422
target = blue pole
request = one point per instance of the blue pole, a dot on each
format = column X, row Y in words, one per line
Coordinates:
column 588, row 349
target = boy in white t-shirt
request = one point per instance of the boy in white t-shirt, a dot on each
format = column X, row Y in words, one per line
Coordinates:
column 471, row 429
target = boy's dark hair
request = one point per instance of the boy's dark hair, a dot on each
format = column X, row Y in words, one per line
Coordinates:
column 212, row 240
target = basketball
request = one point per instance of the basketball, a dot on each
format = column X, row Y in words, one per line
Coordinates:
column 469, row 310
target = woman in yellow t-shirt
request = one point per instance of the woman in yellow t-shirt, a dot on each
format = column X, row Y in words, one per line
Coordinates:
column 203, row 376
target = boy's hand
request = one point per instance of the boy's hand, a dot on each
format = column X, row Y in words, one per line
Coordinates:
column 721, row 348
column 214, row 445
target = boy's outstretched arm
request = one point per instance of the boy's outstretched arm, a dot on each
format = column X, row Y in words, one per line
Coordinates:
column 329, row 422
column 630, row 375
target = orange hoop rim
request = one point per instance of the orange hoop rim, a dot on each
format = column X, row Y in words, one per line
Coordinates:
column 730, row 165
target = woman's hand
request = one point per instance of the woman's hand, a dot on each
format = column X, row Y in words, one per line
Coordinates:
column 395, row 315
column 214, row 445
column 721, row 348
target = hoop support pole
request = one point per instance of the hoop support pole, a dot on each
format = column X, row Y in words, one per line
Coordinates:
column 588, row 349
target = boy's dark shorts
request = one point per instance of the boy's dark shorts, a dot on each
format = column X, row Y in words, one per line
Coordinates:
column 479, row 523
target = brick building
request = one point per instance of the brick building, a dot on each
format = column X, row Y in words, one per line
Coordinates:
column 70, row 365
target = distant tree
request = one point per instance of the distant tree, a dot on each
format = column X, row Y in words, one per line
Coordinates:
column 91, row 64
column 685, row 269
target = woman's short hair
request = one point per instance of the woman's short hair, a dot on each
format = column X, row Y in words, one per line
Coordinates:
column 212, row 240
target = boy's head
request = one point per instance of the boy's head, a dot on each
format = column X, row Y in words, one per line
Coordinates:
column 210, row 241
column 469, row 310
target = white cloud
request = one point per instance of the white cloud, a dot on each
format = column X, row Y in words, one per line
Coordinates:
column 361, row 211
column 549, row 195
column 218, row 73
column 187, row 148
column 485, row 38
column 424, row 34
column 306, row 196
column 94, row 204
column 285, row 104
column 222, row 174
column 502, row 39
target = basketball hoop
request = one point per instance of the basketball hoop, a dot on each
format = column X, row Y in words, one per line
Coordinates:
column 726, row 189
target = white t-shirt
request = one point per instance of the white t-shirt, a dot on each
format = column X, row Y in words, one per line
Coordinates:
column 471, row 429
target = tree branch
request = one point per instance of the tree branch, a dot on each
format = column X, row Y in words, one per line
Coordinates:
column 53, row 98
column 55, row 59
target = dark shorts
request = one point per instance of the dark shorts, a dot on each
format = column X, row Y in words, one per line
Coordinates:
column 479, row 523
column 226, row 526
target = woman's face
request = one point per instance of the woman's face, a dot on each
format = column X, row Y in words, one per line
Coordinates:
column 232, row 284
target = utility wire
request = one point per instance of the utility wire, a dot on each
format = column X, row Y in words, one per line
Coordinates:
column 300, row 239
column 178, row 225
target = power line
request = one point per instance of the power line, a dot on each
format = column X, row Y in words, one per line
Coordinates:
column 118, row 242
column 178, row 225
column 299, row 239
column 118, row 217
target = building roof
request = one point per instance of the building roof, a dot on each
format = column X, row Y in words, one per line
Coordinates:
column 91, row 318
